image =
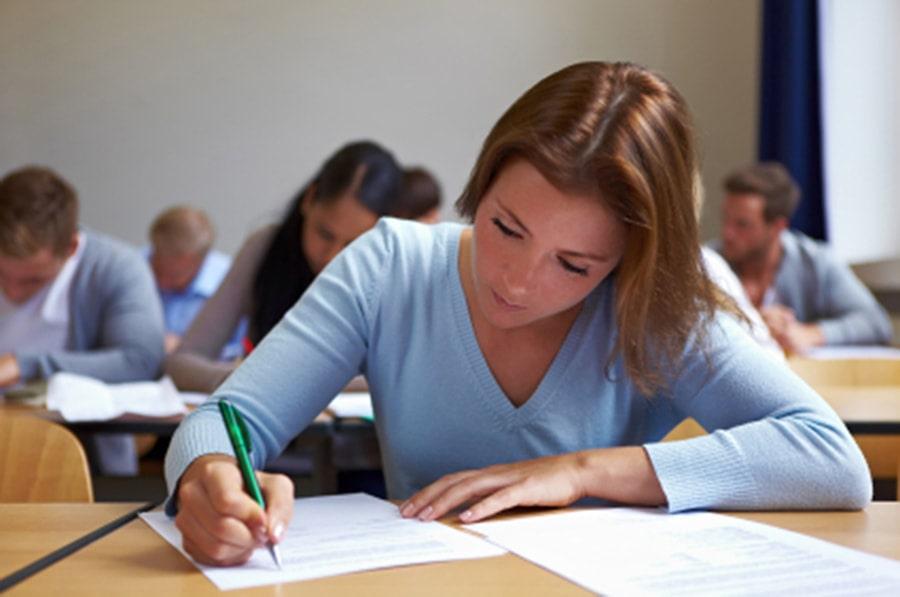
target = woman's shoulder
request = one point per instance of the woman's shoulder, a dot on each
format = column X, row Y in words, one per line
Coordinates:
column 400, row 255
column 724, row 338
column 410, row 242
column 413, row 232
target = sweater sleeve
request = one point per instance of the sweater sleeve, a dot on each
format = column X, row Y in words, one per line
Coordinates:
column 129, row 345
column 850, row 314
column 773, row 443
column 297, row 369
column 195, row 366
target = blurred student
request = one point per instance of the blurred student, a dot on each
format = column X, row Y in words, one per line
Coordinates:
column 188, row 271
column 72, row 300
column 420, row 199
column 806, row 295
column 721, row 273
column 537, row 356
column 276, row 264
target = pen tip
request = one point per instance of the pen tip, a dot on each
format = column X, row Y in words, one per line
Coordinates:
column 276, row 556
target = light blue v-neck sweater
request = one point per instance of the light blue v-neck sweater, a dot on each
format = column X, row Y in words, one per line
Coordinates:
column 391, row 306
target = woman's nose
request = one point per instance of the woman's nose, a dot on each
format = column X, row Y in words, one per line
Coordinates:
column 518, row 275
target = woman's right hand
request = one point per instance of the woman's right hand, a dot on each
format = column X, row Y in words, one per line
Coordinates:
column 220, row 524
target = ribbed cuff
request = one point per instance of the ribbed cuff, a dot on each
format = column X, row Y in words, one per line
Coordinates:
column 199, row 434
column 703, row 473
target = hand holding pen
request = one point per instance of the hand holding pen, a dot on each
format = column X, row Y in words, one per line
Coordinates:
column 220, row 523
column 240, row 441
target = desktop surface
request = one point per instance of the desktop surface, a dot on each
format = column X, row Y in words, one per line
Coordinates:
column 134, row 560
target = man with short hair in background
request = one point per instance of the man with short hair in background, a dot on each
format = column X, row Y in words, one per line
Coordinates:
column 72, row 300
column 806, row 295
column 188, row 271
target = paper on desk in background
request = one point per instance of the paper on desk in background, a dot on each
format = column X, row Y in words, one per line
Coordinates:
column 628, row 551
column 825, row 353
column 352, row 404
column 338, row 534
column 80, row 398
column 344, row 405
column 193, row 398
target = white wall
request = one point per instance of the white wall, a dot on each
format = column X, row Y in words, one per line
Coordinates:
column 232, row 105
column 861, row 100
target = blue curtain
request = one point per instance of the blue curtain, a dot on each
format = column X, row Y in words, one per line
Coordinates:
column 790, row 129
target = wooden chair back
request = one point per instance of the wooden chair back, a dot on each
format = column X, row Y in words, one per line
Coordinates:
column 41, row 461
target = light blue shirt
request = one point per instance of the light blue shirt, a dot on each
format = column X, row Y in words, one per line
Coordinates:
column 180, row 308
column 391, row 306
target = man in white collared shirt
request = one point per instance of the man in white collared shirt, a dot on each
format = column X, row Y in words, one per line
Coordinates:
column 72, row 300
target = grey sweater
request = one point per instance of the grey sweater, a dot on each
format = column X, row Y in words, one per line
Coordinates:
column 821, row 289
column 115, row 319
column 115, row 335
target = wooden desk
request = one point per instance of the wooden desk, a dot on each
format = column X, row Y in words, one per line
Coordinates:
column 865, row 409
column 847, row 372
column 134, row 560
column 31, row 531
column 865, row 393
column 872, row 414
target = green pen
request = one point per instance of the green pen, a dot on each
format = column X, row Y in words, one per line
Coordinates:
column 240, row 441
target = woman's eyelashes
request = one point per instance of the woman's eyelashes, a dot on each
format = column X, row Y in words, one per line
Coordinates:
column 506, row 230
column 581, row 271
column 509, row 232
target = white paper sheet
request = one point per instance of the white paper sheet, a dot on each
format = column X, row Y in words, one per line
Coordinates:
column 626, row 551
column 81, row 398
column 338, row 534
column 825, row 353
column 352, row 404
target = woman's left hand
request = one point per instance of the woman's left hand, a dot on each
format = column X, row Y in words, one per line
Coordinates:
column 548, row 481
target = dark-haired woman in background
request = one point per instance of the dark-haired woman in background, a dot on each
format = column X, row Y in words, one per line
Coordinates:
column 352, row 189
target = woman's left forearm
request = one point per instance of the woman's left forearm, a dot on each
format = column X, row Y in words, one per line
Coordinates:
column 623, row 475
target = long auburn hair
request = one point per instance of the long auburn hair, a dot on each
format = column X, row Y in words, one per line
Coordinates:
column 623, row 133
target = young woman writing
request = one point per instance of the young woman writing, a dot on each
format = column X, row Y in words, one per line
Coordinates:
column 537, row 356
